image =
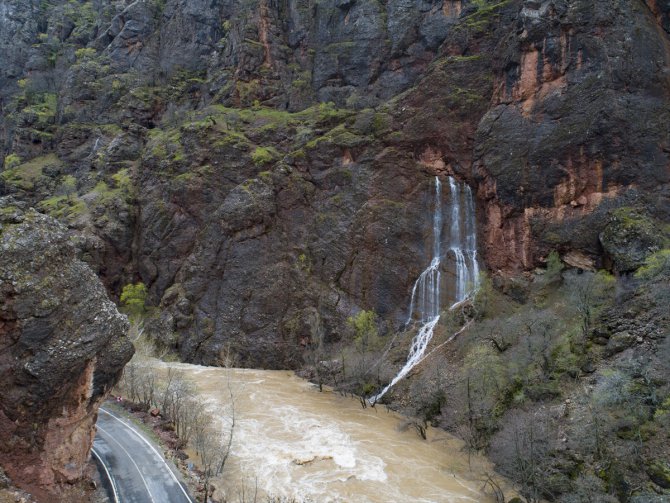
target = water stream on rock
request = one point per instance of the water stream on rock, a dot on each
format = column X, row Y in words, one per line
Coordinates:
column 425, row 302
column 292, row 441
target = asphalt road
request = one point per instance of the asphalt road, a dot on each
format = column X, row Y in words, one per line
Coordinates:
column 133, row 464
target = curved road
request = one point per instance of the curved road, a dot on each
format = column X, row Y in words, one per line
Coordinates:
column 137, row 471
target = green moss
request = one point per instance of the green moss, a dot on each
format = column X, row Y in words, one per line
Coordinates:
column 629, row 217
column 186, row 177
column 85, row 53
column 122, row 192
column 266, row 176
column 264, row 155
column 146, row 95
column 298, row 154
column 256, row 117
column 83, row 15
column 304, row 263
column 662, row 413
column 68, row 184
column 339, row 136
column 487, row 11
column 232, row 139
column 24, row 176
column 631, row 235
column 164, row 142
column 466, row 96
column 43, row 108
column 327, row 111
column 63, row 207
column 7, row 212
column 11, row 161
column 394, row 137
column 122, row 180
column 192, row 175
column 302, row 81
column 381, row 123
column 659, row 472
column 247, row 91
column 655, row 265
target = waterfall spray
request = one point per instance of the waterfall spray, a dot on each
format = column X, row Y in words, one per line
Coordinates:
column 425, row 302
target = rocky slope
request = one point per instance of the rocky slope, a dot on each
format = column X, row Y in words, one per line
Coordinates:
column 187, row 141
column 62, row 348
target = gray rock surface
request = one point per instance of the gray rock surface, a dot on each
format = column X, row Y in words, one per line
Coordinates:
column 62, row 348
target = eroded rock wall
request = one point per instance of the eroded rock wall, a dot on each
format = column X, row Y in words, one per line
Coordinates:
column 265, row 167
column 575, row 127
column 62, row 348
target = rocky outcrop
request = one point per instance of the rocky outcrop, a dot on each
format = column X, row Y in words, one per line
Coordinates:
column 62, row 347
column 630, row 237
column 265, row 167
column 576, row 122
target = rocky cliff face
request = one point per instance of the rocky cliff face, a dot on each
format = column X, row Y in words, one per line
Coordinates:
column 62, row 347
column 264, row 167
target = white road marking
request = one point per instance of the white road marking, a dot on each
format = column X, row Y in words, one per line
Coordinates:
column 141, row 437
column 131, row 460
column 109, row 475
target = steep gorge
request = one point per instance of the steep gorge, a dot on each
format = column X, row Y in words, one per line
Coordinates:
column 265, row 167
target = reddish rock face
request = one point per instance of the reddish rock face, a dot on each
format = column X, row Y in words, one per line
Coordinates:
column 554, row 120
column 574, row 130
column 62, row 347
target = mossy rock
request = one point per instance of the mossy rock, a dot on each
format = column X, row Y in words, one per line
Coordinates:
column 659, row 473
column 543, row 391
column 25, row 176
column 630, row 237
column 518, row 288
column 264, row 155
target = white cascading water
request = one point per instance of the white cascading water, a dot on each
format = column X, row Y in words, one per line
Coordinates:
column 425, row 303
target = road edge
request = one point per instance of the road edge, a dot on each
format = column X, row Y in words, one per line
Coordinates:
column 174, row 471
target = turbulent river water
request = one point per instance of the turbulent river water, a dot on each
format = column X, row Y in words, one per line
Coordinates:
column 292, row 441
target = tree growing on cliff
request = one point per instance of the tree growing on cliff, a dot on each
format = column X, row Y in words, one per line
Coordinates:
column 366, row 334
column 589, row 292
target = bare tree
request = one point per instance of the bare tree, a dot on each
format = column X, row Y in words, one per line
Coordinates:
column 230, row 430
column 588, row 291
column 522, row 450
column 210, row 446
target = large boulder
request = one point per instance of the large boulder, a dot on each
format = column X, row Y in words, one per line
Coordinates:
column 629, row 238
column 62, row 347
column 659, row 473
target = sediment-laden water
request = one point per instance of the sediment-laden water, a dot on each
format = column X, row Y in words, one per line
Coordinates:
column 291, row 440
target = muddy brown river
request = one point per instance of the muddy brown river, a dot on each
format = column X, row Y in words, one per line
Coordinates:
column 292, row 441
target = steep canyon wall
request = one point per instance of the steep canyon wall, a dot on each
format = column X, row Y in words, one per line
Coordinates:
column 264, row 167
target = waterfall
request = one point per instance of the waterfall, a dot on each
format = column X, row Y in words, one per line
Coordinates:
column 95, row 147
column 425, row 302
